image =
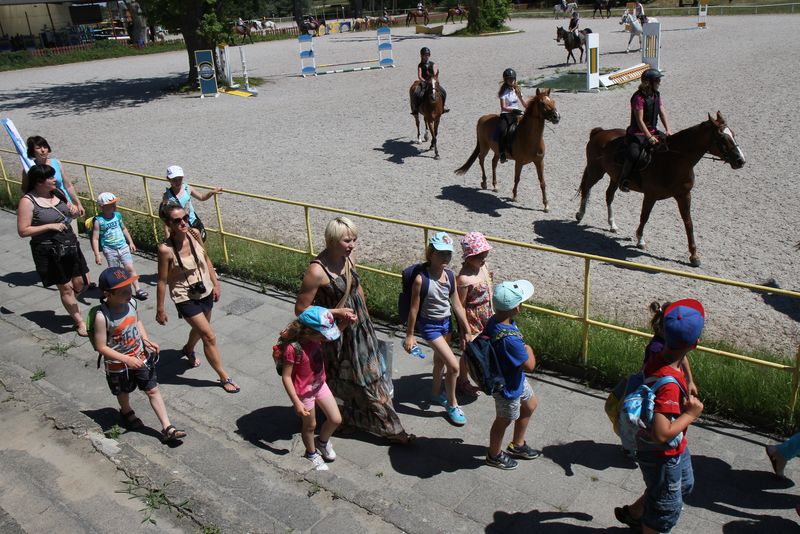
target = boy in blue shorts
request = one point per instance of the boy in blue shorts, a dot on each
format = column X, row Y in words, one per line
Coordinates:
column 667, row 472
column 516, row 402
column 129, row 356
column 110, row 235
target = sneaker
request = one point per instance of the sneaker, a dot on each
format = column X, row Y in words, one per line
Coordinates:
column 141, row 295
column 503, row 461
column 456, row 415
column 523, row 452
column 317, row 461
column 439, row 399
column 327, row 452
column 778, row 461
column 624, row 516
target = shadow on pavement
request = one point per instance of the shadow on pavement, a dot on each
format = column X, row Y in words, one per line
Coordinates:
column 478, row 201
column 265, row 426
column 172, row 366
column 428, row 457
column 108, row 417
column 596, row 456
column 400, row 148
column 20, row 279
column 788, row 306
column 540, row 523
column 47, row 319
column 764, row 523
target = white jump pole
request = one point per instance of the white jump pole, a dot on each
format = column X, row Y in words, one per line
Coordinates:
column 247, row 87
column 592, row 61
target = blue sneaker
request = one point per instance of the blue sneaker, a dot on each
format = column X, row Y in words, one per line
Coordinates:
column 439, row 399
column 456, row 415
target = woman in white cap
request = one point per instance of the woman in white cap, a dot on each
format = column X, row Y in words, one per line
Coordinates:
column 182, row 193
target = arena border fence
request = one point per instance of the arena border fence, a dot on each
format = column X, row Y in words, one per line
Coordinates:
column 584, row 318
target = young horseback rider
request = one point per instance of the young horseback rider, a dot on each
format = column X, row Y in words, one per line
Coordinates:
column 421, row 7
column 574, row 22
column 427, row 70
column 638, row 13
column 512, row 105
column 646, row 108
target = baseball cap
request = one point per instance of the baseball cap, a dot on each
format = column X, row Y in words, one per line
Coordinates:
column 441, row 241
column 509, row 295
column 174, row 171
column 114, row 278
column 474, row 243
column 683, row 323
column 106, row 198
column 321, row 320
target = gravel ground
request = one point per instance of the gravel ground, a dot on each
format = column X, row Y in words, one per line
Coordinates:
column 345, row 141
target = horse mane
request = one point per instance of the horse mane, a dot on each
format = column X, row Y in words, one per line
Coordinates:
column 689, row 132
column 529, row 107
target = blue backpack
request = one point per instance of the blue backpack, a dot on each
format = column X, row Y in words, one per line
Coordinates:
column 636, row 413
column 409, row 275
column 482, row 363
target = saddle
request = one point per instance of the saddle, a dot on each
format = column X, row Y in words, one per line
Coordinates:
column 507, row 140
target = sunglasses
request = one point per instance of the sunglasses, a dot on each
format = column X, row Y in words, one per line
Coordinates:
column 179, row 220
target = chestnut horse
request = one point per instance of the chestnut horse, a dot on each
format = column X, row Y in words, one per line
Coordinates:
column 527, row 146
column 452, row 13
column 669, row 174
column 414, row 14
column 243, row 31
column 432, row 108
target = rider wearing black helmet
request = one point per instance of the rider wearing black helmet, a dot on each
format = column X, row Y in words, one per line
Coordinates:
column 427, row 70
column 574, row 22
column 646, row 108
column 512, row 105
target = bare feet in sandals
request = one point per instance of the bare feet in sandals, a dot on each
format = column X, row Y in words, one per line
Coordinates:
column 130, row 421
column 80, row 328
column 172, row 434
column 229, row 386
column 194, row 362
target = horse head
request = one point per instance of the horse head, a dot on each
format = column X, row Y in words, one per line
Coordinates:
column 432, row 89
column 543, row 107
column 560, row 33
column 725, row 146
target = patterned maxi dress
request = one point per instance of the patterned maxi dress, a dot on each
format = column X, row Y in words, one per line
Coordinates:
column 354, row 365
column 478, row 304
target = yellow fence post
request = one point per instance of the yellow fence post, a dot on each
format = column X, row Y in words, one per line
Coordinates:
column 8, row 184
column 91, row 189
column 221, row 230
column 795, row 385
column 150, row 209
column 586, row 285
column 308, row 231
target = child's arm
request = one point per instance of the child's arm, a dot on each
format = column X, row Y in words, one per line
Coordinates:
column 147, row 340
column 530, row 363
column 205, row 196
column 687, row 370
column 413, row 310
column 286, row 378
column 98, row 259
column 461, row 316
column 100, row 340
column 128, row 239
column 664, row 429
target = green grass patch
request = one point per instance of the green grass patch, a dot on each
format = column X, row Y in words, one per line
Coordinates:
column 568, row 80
column 255, row 81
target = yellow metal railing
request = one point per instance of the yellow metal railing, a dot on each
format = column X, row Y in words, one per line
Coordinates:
column 584, row 317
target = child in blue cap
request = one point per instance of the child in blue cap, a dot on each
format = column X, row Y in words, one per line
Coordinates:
column 667, row 472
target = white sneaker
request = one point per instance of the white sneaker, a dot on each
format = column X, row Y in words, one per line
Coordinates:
column 327, row 452
column 319, row 463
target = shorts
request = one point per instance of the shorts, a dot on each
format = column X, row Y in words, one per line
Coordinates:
column 668, row 481
column 57, row 271
column 191, row 307
column 510, row 408
column 127, row 381
column 310, row 398
column 431, row 329
column 118, row 257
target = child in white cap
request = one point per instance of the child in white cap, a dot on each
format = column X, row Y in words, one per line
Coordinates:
column 303, row 374
column 110, row 235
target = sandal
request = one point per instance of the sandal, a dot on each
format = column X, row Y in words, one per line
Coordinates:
column 171, row 434
column 130, row 421
column 465, row 388
column 81, row 329
column 229, row 381
column 193, row 361
column 403, row 438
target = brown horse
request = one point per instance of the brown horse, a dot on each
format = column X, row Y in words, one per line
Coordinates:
column 600, row 5
column 414, row 14
column 527, row 146
column 669, row 174
column 452, row 13
column 571, row 41
column 243, row 31
column 432, row 108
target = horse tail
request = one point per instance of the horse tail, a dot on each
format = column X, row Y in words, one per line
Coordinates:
column 584, row 179
column 464, row 168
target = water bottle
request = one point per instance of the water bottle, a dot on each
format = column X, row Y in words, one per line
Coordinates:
column 416, row 351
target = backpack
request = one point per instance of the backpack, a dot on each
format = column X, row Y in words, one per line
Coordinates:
column 482, row 363
column 636, row 413
column 278, row 352
column 409, row 275
column 88, row 226
column 90, row 325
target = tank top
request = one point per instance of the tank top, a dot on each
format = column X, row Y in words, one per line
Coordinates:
column 111, row 235
column 47, row 215
column 193, row 271
column 123, row 335
column 184, row 198
column 436, row 305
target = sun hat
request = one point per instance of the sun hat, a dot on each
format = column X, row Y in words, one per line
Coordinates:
column 683, row 323
column 174, row 171
column 321, row 320
column 106, row 198
column 114, row 278
column 474, row 243
column 441, row 241
column 509, row 295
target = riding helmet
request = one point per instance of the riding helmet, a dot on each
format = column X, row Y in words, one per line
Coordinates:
column 652, row 74
column 424, row 50
column 509, row 73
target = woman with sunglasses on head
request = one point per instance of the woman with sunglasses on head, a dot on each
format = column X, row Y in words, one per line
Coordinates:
column 184, row 266
column 44, row 215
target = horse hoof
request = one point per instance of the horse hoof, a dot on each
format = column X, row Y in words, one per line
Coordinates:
column 483, row 185
column 494, row 190
column 546, row 208
column 436, row 156
column 694, row 262
column 613, row 229
column 579, row 216
column 641, row 246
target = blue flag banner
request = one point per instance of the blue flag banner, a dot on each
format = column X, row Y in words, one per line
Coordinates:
column 22, row 148
column 206, row 72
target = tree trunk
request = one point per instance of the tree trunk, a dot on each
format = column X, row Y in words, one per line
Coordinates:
column 297, row 6
column 473, row 18
column 190, row 23
column 139, row 34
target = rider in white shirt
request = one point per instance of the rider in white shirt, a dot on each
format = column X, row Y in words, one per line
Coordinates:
column 512, row 105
